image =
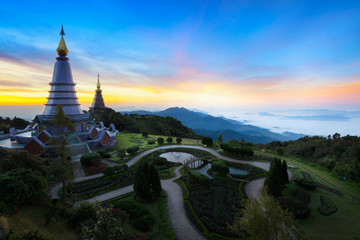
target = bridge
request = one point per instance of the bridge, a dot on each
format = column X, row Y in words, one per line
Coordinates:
column 194, row 162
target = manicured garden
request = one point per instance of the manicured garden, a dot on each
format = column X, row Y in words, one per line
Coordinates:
column 329, row 193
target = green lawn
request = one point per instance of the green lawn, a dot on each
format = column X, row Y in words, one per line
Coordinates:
column 126, row 140
column 344, row 224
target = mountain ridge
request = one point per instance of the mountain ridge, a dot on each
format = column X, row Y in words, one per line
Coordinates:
column 208, row 125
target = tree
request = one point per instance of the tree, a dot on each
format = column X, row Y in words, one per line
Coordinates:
column 264, row 220
column 145, row 134
column 220, row 139
column 121, row 153
column 107, row 227
column 242, row 142
column 61, row 168
column 273, row 179
column 280, row 150
column 284, row 172
column 155, row 181
column 207, row 141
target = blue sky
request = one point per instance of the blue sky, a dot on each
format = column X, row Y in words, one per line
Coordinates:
column 241, row 54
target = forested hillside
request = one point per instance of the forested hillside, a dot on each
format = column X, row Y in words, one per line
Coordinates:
column 338, row 154
column 7, row 123
column 156, row 125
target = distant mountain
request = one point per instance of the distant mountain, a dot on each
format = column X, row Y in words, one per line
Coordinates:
column 211, row 126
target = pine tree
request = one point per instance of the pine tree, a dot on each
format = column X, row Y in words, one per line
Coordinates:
column 220, row 139
column 284, row 172
column 155, row 181
column 143, row 187
column 273, row 179
column 61, row 168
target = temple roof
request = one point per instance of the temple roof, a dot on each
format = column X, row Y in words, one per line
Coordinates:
column 98, row 102
column 62, row 50
column 98, row 82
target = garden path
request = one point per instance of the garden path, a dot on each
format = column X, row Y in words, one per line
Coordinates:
column 179, row 221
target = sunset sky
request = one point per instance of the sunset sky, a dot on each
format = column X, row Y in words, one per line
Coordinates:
column 241, row 54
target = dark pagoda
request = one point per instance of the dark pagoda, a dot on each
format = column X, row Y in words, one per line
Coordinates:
column 62, row 92
column 98, row 102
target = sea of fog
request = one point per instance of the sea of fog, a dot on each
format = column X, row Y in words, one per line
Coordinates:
column 309, row 121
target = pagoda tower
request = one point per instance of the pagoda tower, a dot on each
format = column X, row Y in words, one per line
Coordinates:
column 98, row 102
column 62, row 92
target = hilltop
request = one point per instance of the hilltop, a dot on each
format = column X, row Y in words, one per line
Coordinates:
column 207, row 125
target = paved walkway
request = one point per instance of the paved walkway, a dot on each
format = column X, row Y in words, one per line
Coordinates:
column 183, row 228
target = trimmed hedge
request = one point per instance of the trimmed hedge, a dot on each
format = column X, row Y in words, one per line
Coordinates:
column 178, row 140
column 160, row 140
column 132, row 150
column 307, row 184
column 237, row 149
column 327, row 207
column 89, row 159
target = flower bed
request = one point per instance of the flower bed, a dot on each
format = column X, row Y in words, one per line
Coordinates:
column 96, row 169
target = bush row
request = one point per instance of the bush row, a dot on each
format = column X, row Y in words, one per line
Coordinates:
column 115, row 169
column 307, row 184
column 237, row 149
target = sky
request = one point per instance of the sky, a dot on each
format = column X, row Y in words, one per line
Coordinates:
column 208, row 55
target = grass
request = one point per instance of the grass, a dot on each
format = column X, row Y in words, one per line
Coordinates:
column 344, row 224
column 126, row 140
column 33, row 218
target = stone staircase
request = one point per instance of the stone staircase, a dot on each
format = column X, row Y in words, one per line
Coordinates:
column 77, row 150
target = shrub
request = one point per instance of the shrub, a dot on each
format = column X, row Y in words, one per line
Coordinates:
column 298, row 208
column 89, row 159
column 121, row 153
column 220, row 167
column 280, row 150
column 75, row 217
column 307, row 184
column 198, row 178
column 145, row 134
column 178, row 140
column 151, row 142
column 160, row 161
column 237, row 149
column 160, row 140
column 109, row 171
column 207, row 141
column 133, row 149
column 327, row 206
column 169, row 139
column 140, row 217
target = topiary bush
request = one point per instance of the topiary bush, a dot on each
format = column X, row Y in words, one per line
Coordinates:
column 169, row 140
column 109, row 171
column 132, row 150
column 89, row 159
column 327, row 206
column 178, row 140
column 160, row 140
